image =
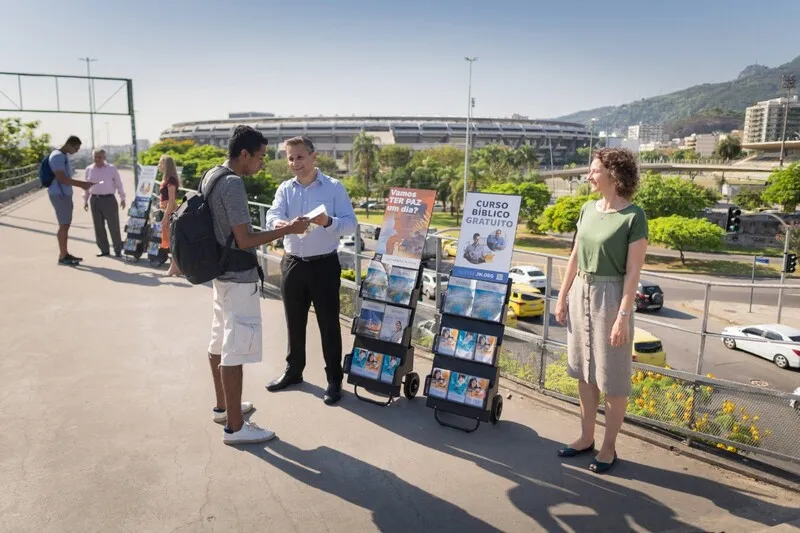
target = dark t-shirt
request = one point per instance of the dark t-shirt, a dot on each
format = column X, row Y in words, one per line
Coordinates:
column 164, row 190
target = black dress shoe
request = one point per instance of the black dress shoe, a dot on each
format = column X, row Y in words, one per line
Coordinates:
column 284, row 381
column 333, row 393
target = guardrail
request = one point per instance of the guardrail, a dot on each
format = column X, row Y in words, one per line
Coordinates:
column 18, row 176
column 729, row 415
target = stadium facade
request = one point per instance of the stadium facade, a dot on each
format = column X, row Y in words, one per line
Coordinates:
column 334, row 135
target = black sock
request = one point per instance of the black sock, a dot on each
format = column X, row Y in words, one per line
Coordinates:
column 218, row 410
column 228, row 430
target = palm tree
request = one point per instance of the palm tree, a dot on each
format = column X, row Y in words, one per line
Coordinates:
column 525, row 156
column 365, row 156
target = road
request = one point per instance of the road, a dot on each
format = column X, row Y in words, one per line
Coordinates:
column 681, row 346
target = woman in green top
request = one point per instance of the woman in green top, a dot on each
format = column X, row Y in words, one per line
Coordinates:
column 597, row 298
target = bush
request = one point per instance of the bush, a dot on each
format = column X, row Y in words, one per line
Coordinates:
column 348, row 273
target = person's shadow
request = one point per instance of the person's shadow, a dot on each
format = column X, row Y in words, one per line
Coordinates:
column 147, row 279
column 545, row 481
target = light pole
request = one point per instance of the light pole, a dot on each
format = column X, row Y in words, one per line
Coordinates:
column 470, row 104
column 788, row 229
column 591, row 139
column 88, row 61
column 788, row 82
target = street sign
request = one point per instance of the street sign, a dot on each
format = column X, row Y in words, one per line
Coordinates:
column 762, row 260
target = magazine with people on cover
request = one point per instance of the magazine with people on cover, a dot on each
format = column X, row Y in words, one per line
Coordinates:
column 132, row 244
column 390, row 364
column 457, row 391
column 477, row 388
column 375, row 284
column 440, row 380
column 489, row 299
column 395, row 320
column 370, row 319
column 485, row 348
column 447, row 341
column 465, row 345
column 460, row 293
column 401, row 285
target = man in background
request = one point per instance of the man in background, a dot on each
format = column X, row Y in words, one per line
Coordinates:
column 60, row 193
column 106, row 182
column 310, row 268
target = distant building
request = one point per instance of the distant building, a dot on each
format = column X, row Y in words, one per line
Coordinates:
column 613, row 142
column 763, row 122
column 706, row 144
column 646, row 133
column 631, row 144
column 251, row 114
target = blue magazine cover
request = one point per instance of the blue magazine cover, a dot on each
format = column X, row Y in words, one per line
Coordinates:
column 390, row 365
column 489, row 298
column 460, row 293
column 457, row 391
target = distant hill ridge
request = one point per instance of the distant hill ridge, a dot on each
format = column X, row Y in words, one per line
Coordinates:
column 709, row 106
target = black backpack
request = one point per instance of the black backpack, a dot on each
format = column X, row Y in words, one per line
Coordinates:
column 194, row 244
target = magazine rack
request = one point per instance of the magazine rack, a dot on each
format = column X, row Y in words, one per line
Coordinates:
column 403, row 377
column 156, row 254
column 492, row 407
column 137, row 229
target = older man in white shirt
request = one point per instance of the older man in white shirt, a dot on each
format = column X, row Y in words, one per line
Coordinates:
column 102, row 200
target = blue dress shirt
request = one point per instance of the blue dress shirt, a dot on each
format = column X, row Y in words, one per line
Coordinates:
column 294, row 200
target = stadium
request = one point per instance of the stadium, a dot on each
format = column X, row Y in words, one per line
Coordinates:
column 334, row 135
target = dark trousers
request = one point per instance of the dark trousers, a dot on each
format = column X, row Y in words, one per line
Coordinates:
column 304, row 283
column 105, row 211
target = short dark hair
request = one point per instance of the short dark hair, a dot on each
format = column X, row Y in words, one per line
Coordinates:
column 621, row 164
column 245, row 138
column 73, row 140
column 300, row 139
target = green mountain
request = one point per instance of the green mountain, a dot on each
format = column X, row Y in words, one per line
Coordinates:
column 708, row 106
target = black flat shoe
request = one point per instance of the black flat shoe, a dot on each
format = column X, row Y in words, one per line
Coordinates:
column 566, row 451
column 286, row 380
column 599, row 467
column 333, row 393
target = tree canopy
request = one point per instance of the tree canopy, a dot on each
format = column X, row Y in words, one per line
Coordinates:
column 686, row 234
column 783, row 188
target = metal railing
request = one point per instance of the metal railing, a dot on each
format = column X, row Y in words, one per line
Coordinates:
column 18, row 176
column 729, row 415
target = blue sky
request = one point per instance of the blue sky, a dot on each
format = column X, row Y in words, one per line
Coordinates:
column 192, row 60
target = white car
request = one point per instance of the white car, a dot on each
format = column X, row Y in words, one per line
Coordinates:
column 529, row 275
column 795, row 403
column 745, row 338
column 429, row 283
column 348, row 243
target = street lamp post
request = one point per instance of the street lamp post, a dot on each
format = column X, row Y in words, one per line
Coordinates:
column 788, row 82
column 591, row 139
column 788, row 229
column 470, row 104
column 88, row 61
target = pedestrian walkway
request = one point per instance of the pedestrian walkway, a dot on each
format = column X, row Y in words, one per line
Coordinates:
column 105, row 425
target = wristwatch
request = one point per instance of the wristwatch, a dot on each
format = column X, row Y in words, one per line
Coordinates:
column 330, row 221
column 623, row 313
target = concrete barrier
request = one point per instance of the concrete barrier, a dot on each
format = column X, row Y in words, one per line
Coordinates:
column 18, row 190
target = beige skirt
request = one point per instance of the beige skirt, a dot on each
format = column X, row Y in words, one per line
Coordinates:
column 593, row 308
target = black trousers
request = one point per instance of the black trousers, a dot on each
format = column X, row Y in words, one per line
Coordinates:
column 304, row 283
column 105, row 210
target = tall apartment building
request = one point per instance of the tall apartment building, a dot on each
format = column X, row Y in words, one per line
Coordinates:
column 763, row 122
column 646, row 133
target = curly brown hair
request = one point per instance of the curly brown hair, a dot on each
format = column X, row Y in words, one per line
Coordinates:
column 621, row 164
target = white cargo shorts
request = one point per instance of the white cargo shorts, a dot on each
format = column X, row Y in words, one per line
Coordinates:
column 236, row 326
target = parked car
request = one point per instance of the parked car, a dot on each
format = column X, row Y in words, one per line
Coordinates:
column 530, row 275
column 525, row 301
column 348, row 242
column 649, row 296
column 795, row 404
column 648, row 349
column 756, row 340
column 429, row 283
column 368, row 231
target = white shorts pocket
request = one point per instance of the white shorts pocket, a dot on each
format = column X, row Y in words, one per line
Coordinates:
column 246, row 335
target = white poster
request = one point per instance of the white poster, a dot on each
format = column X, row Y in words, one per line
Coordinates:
column 147, row 182
column 486, row 242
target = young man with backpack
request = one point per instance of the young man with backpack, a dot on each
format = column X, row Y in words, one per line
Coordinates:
column 55, row 173
column 236, row 326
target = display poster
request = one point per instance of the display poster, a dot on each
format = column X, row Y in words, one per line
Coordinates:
column 486, row 242
column 147, row 181
column 405, row 227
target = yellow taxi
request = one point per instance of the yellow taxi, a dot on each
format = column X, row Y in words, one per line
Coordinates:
column 648, row 349
column 525, row 301
column 450, row 248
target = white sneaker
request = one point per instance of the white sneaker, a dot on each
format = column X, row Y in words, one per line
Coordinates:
column 249, row 434
column 222, row 417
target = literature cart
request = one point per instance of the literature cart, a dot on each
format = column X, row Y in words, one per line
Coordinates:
column 382, row 360
column 465, row 375
column 137, row 229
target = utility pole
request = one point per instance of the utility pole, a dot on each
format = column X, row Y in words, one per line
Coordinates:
column 88, row 61
column 591, row 140
column 788, row 82
column 470, row 105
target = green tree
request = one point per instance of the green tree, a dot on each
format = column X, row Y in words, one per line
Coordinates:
column 562, row 216
column 354, row 187
column 524, row 158
column 729, row 148
column 749, row 198
column 535, row 198
column 278, row 169
column 365, row 155
column 327, row 165
column 783, row 188
column 686, row 234
column 395, row 156
column 122, row 160
column 662, row 196
column 15, row 133
column 794, row 237
column 443, row 155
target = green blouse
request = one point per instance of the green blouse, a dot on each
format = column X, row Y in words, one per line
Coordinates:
column 603, row 238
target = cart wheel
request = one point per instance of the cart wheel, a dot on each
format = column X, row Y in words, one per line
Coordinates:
column 411, row 385
column 497, row 409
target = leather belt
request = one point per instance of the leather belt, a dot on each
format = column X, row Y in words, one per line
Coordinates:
column 311, row 257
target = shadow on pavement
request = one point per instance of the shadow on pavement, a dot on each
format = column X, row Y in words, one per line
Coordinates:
column 667, row 312
column 518, row 454
column 51, row 233
column 147, row 279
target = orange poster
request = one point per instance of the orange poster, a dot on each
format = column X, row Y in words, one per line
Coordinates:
column 405, row 227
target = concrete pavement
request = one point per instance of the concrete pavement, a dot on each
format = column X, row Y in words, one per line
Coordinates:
column 105, row 425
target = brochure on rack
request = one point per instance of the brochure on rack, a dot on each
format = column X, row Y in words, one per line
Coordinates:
column 405, row 227
column 486, row 241
column 147, row 182
column 475, row 299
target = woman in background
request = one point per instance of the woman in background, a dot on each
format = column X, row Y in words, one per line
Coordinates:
column 168, row 194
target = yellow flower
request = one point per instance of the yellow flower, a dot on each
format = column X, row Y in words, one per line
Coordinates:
column 679, row 396
column 755, row 418
column 736, row 428
column 709, row 375
column 745, row 417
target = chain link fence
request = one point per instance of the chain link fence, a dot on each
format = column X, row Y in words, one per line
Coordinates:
column 17, row 176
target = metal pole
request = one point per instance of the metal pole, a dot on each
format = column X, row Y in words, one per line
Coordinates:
column 133, row 136
column 357, row 257
column 703, row 331
column 88, row 61
column 262, row 221
column 547, row 293
column 752, row 283
column 783, row 134
column 591, row 139
column 783, row 269
column 437, row 294
column 469, row 132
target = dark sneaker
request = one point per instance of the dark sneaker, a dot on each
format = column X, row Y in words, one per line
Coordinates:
column 67, row 261
column 73, row 258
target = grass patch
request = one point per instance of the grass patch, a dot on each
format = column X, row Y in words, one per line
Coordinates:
column 439, row 219
column 735, row 249
column 709, row 267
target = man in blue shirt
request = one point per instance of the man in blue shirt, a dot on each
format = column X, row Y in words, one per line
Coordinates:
column 60, row 192
column 310, row 267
